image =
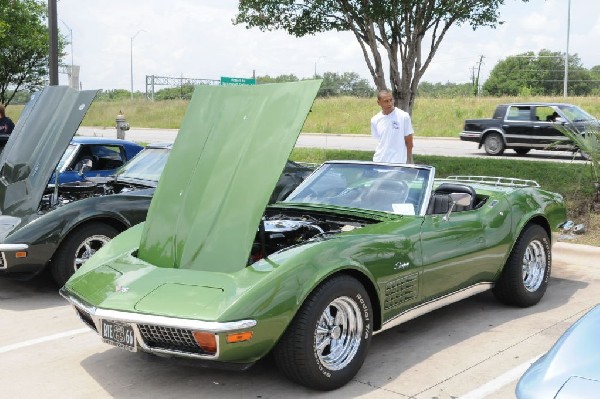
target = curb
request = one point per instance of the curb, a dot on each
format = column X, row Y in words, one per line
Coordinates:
column 576, row 254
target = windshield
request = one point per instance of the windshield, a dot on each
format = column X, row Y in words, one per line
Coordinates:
column 576, row 114
column 147, row 165
column 397, row 189
column 66, row 158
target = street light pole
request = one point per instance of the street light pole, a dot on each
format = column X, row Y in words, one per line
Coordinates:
column 131, row 49
column 71, row 39
column 567, row 52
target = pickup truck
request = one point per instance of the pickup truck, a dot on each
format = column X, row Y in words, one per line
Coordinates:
column 526, row 126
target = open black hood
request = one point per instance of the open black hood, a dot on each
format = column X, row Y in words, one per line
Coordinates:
column 45, row 127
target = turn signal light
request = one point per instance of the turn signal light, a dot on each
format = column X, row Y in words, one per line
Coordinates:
column 239, row 337
column 21, row 254
column 206, row 341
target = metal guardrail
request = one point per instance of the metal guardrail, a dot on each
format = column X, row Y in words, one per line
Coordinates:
column 496, row 181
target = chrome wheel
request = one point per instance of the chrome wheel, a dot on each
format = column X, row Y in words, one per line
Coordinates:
column 338, row 333
column 525, row 275
column 327, row 342
column 493, row 144
column 534, row 265
column 87, row 248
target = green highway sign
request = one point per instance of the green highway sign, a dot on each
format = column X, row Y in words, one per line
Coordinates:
column 227, row 81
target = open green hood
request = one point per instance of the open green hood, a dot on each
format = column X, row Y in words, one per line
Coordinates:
column 228, row 155
column 46, row 125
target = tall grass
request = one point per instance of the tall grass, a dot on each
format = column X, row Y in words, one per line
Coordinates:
column 432, row 117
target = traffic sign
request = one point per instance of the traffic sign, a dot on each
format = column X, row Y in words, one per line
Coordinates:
column 228, row 81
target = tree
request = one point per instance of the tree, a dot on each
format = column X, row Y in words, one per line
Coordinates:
column 538, row 74
column 346, row 84
column 408, row 31
column 445, row 90
column 25, row 43
column 277, row 79
column 183, row 92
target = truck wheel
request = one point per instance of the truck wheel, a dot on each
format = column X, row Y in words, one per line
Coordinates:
column 78, row 247
column 522, row 151
column 493, row 144
column 525, row 276
column 327, row 342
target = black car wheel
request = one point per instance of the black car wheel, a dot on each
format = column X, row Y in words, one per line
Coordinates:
column 525, row 276
column 78, row 247
column 327, row 342
column 522, row 151
column 493, row 144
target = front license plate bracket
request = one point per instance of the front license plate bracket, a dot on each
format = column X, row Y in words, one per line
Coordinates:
column 118, row 334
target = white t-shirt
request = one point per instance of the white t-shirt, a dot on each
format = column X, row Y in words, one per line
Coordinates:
column 390, row 130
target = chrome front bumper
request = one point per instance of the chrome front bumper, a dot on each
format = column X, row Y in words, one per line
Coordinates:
column 93, row 316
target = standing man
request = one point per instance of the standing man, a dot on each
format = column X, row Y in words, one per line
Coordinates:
column 6, row 124
column 393, row 130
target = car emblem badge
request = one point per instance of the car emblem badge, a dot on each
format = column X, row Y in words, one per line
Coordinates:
column 120, row 288
column 400, row 266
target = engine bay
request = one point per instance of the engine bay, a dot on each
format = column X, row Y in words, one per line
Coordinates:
column 75, row 191
column 281, row 229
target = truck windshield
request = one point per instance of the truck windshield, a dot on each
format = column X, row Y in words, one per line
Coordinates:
column 576, row 114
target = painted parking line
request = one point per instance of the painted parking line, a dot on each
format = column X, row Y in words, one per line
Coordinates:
column 31, row 342
column 499, row 382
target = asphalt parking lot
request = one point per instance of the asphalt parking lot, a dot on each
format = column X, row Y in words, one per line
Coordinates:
column 476, row 348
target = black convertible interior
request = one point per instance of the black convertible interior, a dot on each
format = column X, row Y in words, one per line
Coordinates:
column 441, row 200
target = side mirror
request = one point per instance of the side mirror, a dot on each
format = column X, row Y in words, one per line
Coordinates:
column 462, row 199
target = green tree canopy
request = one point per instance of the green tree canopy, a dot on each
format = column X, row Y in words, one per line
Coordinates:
column 276, row 79
column 445, row 90
column 346, row 84
column 539, row 74
column 409, row 32
column 25, row 47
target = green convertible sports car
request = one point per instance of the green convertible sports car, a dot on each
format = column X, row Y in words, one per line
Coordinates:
column 216, row 275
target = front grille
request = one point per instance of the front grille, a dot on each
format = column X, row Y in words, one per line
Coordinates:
column 167, row 338
column 2, row 262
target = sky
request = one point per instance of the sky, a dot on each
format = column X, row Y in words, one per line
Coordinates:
column 115, row 41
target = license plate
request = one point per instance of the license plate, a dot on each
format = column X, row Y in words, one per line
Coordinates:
column 118, row 334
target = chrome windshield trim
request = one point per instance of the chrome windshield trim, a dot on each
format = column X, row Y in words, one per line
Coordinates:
column 165, row 321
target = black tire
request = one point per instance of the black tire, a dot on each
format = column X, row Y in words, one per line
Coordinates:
column 522, row 151
column 524, row 279
column 304, row 353
column 493, row 144
column 77, row 247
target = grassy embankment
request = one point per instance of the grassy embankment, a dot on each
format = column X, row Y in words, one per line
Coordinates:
column 441, row 117
column 431, row 117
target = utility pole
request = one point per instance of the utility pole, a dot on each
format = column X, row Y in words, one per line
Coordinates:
column 567, row 52
column 481, row 57
column 53, row 36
